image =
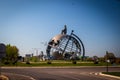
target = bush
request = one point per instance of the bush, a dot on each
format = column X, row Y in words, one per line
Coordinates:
column 6, row 62
column 74, row 62
column 96, row 62
column 48, row 62
column 27, row 62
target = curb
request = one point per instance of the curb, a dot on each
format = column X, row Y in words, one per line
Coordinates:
column 109, row 75
column 60, row 67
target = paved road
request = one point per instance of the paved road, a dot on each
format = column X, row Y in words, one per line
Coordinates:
column 82, row 73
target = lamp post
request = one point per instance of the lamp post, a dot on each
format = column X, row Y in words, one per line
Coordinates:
column 107, row 61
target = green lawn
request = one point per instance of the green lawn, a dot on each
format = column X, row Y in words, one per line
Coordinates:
column 112, row 73
column 56, row 63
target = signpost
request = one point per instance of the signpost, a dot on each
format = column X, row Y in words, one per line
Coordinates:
column 2, row 53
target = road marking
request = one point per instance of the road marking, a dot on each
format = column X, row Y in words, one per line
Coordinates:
column 21, row 75
column 94, row 73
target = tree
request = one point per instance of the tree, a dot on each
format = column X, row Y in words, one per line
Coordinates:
column 101, row 59
column 11, row 53
column 110, row 56
column 95, row 59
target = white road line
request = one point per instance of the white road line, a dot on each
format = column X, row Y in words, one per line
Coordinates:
column 20, row 75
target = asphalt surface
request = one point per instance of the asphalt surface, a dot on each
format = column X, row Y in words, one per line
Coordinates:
column 81, row 73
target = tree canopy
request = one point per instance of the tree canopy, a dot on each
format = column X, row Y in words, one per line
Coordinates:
column 110, row 56
column 11, row 53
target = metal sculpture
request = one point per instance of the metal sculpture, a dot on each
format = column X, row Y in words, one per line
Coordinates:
column 69, row 46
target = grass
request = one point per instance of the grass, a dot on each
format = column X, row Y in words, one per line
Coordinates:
column 55, row 63
column 112, row 73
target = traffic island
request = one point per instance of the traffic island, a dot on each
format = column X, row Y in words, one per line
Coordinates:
column 111, row 74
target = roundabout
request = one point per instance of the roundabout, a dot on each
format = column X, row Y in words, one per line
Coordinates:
column 46, row 73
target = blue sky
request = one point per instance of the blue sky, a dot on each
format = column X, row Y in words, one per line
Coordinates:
column 28, row 24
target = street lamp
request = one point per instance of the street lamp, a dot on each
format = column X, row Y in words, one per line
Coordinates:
column 107, row 61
